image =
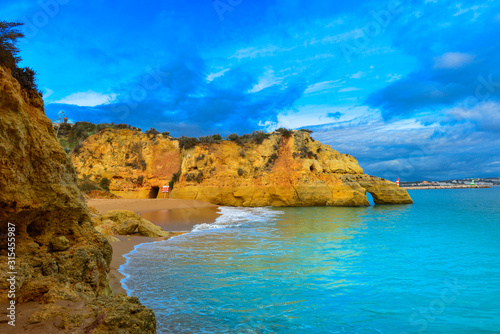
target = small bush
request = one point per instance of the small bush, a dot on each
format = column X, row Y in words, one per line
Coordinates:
column 104, row 183
column 187, row 142
column 214, row 139
column 306, row 130
column 240, row 172
column 152, row 132
column 140, row 180
column 165, row 134
column 143, row 165
column 26, row 77
column 176, row 177
column 272, row 159
column 287, row 133
column 233, row 137
column 198, row 177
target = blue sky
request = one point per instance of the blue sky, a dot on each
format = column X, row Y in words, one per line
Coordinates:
column 411, row 89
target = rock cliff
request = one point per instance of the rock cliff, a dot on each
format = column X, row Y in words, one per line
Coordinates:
column 58, row 253
column 278, row 170
column 136, row 164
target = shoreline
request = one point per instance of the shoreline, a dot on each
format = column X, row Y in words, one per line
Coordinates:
column 447, row 187
column 177, row 217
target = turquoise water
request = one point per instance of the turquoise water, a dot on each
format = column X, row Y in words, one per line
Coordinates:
column 430, row 267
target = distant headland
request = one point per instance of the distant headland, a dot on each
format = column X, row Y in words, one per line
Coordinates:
column 469, row 183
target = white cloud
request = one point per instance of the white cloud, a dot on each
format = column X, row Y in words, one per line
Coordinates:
column 473, row 9
column 453, row 60
column 348, row 89
column 485, row 114
column 253, row 52
column 212, row 76
column 393, row 77
column 48, row 92
column 87, row 99
column 349, row 35
column 358, row 75
column 267, row 80
column 321, row 86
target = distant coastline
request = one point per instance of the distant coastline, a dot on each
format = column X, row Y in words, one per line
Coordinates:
column 446, row 187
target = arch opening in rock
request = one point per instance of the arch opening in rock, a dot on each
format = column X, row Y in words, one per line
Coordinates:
column 369, row 197
column 153, row 192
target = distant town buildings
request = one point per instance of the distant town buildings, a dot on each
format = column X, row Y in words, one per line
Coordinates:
column 493, row 181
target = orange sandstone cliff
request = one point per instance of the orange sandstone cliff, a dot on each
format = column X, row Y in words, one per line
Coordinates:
column 59, row 256
column 280, row 170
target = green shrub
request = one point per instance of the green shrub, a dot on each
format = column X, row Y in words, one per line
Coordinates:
column 198, row 177
column 187, row 142
column 152, row 132
column 214, row 139
column 287, row 133
column 104, row 183
column 26, row 77
column 87, row 185
column 272, row 159
column 233, row 137
column 176, row 177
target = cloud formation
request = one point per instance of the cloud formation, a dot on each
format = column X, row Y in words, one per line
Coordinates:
column 418, row 92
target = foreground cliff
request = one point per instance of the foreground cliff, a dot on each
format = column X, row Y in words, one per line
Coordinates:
column 58, row 253
column 280, row 169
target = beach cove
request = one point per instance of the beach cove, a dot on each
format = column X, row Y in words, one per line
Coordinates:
column 176, row 215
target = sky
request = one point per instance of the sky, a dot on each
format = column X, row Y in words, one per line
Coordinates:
column 409, row 88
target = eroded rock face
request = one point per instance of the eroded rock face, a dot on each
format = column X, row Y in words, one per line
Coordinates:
column 59, row 254
column 40, row 197
column 135, row 163
column 280, row 171
column 294, row 171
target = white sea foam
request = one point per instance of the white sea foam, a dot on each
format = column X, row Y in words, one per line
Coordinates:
column 235, row 216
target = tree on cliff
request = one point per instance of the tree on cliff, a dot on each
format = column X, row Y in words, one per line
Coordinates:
column 9, row 34
column 8, row 49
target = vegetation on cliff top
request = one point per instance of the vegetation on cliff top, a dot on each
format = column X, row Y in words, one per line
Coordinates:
column 71, row 136
column 9, row 56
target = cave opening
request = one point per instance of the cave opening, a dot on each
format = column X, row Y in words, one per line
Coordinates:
column 153, row 193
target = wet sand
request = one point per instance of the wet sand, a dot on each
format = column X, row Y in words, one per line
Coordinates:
column 172, row 215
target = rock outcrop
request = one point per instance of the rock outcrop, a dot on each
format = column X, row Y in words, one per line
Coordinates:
column 280, row 170
column 136, row 164
column 58, row 253
column 125, row 222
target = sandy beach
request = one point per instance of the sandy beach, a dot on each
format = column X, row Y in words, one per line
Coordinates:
column 173, row 215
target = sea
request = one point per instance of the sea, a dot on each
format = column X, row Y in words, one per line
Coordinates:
column 429, row 267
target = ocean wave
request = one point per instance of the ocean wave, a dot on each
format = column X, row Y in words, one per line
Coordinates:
column 235, row 217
